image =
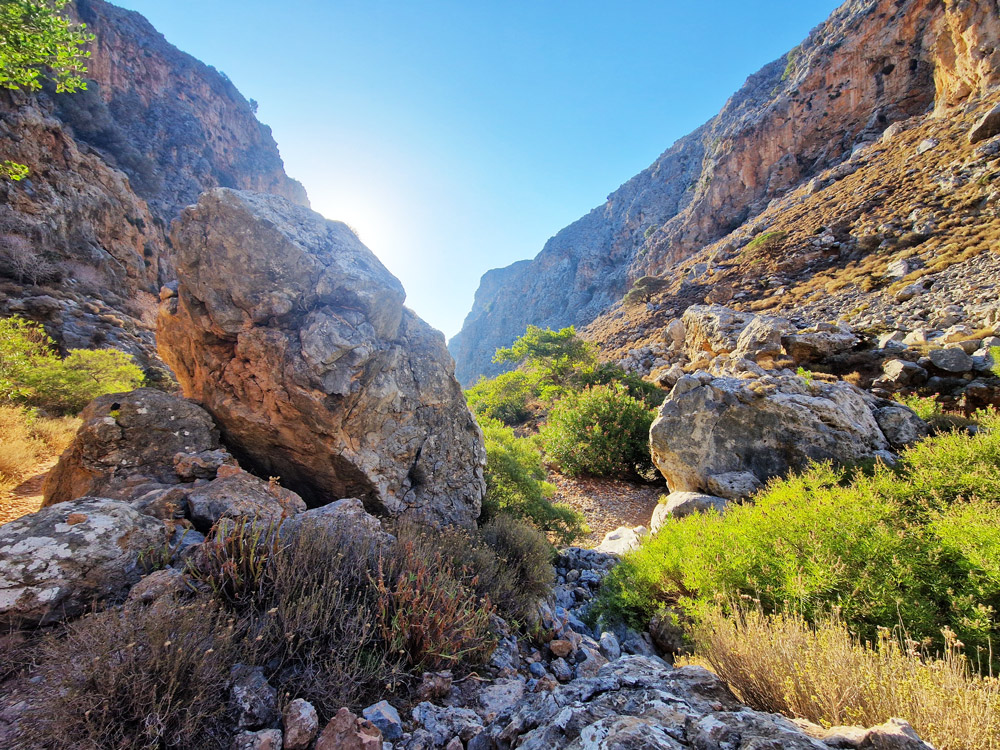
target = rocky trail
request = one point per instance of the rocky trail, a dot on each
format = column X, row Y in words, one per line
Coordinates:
column 606, row 504
column 27, row 496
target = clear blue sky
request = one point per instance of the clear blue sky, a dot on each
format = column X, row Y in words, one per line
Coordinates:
column 457, row 136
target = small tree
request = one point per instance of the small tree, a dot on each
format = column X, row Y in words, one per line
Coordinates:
column 554, row 355
column 643, row 289
column 32, row 373
column 35, row 37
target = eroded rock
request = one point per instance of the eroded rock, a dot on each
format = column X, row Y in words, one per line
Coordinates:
column 295, row 338
column 764, row 426
column 57, row 561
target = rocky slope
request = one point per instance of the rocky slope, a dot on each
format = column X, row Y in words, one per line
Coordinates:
column 871, row 64
column 83, row 240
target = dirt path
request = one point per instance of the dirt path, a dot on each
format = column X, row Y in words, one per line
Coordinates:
column 607, row 503
column 27, row 496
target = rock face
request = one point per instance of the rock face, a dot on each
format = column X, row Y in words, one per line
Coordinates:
column 294, row 337
column 110, row 168
column 54, row 563
column 871, row 64
column 764, row 426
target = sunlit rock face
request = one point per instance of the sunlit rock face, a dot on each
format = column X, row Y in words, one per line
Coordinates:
column 294, row 337
column 872, row 63
column 109, row 169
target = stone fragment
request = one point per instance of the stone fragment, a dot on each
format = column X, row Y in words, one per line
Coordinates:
column 621, row 540
column 900, row 373
column 52, row 570
column 952, row 359
column 560, row 648
column 900, row 425
column 294, row 337
column 610, row 646
column 241, row 496
column 680, row 504
column 265, row 739
column 253, row 701
column 766, row 426
column 345, row 731
column 734, row 485
column 301, row 724
column 445, row 723
column 986, row 127
column 384, row 716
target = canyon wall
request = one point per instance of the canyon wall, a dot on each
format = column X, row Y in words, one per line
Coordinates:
column 872, row 63
column 84, row 243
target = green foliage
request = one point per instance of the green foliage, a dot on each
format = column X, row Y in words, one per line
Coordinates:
column 12, row 170
column 995, row 356
column 515, row 485
column 553, row 355
column 764, row 244
column 22, row 344
column 32, row 373
column 919, row 545
column 504, row 397
column 805, row 374
column 925, row 407
column 601, row 431
column 34, row 37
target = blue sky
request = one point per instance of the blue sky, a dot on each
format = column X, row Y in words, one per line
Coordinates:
column 458, row 136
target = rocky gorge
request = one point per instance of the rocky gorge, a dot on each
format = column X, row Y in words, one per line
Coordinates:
column 290, row 538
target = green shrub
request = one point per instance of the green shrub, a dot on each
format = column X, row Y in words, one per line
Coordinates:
column 135, row 677
column 995, row 356
column 32, row 373
column 504, row 397
column 897, row 546
column 606, row 373
column 602, row 431
column 515, row 484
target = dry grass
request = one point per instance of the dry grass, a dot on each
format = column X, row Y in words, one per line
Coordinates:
column 780, row 663
column 27, row 440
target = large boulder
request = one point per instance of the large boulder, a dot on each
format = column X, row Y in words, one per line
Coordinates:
column 294, row 337
column 57, row 561
column 764, row 426
column 130, row 438
column 713, row 329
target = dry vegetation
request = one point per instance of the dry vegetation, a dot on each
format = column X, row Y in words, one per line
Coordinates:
column 780, row 663
column 27, row 441
column 873, row 210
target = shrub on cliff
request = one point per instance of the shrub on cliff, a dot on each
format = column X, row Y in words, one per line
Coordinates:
column 32, row 373
column 515, row 485
column 601, row 431
column 918, row 545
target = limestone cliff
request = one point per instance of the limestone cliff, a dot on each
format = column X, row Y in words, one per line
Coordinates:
column 872, row 63
column 83, row 240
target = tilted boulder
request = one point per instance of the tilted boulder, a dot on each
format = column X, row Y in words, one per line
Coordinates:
column 764, row 426
column 57, row 561
column 130, row 438
column 294, row 337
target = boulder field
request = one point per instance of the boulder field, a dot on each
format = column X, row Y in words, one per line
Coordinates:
column 294, row 337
